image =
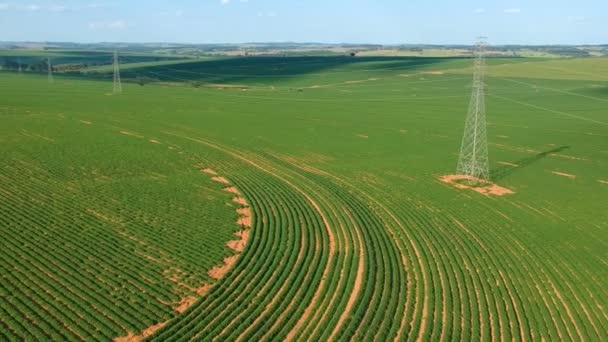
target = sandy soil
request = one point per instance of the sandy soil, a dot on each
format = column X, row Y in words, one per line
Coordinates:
column 142, row 335
column 239, row 245
column 487, row 188
column 185, row 304
column 220, row 180
column 240, row 200
column 219, row 271
column 201, row 291
column 232, row 190
column 209, row 172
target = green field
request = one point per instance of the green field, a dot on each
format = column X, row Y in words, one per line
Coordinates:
column 109, row 223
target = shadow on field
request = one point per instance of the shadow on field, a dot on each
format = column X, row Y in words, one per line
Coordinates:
column 259, row 70
column 505, row 171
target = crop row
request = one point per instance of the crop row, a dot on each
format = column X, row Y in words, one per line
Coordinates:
column 436, row 273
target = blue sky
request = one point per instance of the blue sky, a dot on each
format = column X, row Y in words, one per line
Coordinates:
column 332, row 21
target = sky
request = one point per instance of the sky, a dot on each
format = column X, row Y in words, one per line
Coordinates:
column 324, row 21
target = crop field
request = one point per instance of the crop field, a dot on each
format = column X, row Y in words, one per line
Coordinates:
column 300, row 198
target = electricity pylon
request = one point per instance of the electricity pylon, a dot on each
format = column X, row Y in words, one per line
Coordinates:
column 19, row 66
column 473, row 160
column 117, row 83
column 50, row 77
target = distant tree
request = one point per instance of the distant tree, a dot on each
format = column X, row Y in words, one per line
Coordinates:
column 353, row 54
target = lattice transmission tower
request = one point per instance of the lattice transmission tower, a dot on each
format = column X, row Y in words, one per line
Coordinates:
column 473, row 160
column 117, row 83
column 50, row 66
column 19, row 66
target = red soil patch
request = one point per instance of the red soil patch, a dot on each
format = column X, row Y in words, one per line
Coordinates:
column 232, row 190
column 142, row 335
column 244, row 211
column 567, row 175
column 508, row 164
column 240, row 200
column 210, row 172
column 245, row 221
column 219, row 271
column 201, row 291
column 185, row 304
column 484, row 187
column 220, row 180
column 239, row 245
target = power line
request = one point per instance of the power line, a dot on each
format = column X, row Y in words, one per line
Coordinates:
column 117, row 83
column 473, row 160
column 50, row 77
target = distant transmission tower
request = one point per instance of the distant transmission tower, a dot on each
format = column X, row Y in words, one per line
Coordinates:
column 48, row 62
column 117, row 83
column 19, row 65
column 473, row 159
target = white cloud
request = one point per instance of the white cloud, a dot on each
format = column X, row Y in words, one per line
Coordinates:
column 267, row 14
column 33, row 7
column 513, row 10
column 57, row 8
column 225, row 2
column 97, row 5
column 480, row 10
column 577, row 19
column 111, row 25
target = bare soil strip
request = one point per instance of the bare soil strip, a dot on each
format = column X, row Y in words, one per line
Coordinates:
column 508, row 164
column 567, row 175
column 356, row 286
column 132, row 134
column 486, row 188
column 603, row 181
column 86, row 122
